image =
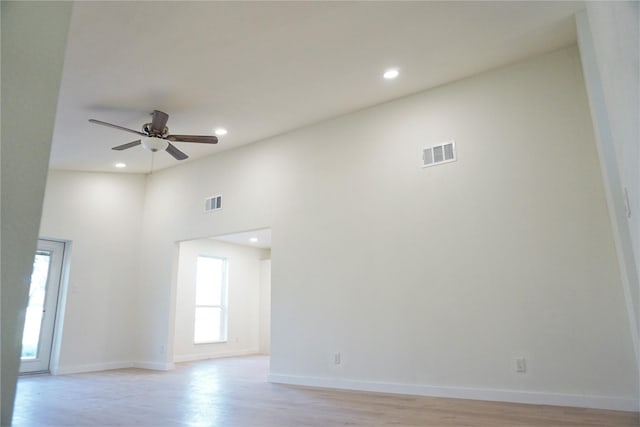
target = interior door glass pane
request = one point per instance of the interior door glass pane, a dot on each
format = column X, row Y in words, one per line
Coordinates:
column 209, row 281
column 207, row 325
column 33, row 319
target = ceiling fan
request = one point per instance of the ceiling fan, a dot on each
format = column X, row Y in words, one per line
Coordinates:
column 155, row 136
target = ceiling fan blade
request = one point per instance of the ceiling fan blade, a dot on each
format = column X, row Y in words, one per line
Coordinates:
column 177, row 154
column 201, row 139
column 111, row 125
column 127, row 145
column 159, row 121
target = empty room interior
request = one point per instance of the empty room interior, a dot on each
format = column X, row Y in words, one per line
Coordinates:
column 320, row 213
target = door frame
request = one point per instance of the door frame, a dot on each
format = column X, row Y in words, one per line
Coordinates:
column 56, row 345
column 64, row 246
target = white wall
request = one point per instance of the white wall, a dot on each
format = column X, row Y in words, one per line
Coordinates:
column 615, row 29
column 243, row 321
column 34, row 36
column 426, row 280
column 172, row 214
column 101, row 214
column 265, row 305
column 609, row 37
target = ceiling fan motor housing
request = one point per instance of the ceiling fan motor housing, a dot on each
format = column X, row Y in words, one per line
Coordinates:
column 148, row 129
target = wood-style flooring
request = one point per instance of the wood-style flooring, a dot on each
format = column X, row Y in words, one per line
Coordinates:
column 234, row 392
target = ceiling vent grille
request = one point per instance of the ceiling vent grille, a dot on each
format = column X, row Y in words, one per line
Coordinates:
column 213, row 203
column 437, row 154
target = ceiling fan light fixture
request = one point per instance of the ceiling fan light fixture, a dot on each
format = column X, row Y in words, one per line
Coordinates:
column 120, row 165
column 220, row 131
column 154, row 144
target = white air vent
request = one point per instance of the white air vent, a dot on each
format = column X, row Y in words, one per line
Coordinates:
column 441, row 153
column 212, row 203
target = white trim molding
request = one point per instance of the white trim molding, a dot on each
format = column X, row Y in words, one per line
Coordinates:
column 92, row 367
column 497, row 395
column 196, row 357
column 155, row 366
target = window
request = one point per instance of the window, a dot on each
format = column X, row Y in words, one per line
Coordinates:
column 211, row 300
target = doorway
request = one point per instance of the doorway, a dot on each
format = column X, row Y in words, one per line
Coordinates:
column 40, row 318
column 237, row 295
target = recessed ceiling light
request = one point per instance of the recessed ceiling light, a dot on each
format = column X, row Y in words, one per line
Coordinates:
column 120, row 165
column 391, row 74
column 253, row 240
column 220, row 131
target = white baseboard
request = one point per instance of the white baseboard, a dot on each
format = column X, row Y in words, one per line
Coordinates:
column 155, row 366
column 196, row 357
column 515, row 396
column 92, row 367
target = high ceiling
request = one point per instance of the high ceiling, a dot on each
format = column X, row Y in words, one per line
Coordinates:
column 259, row 69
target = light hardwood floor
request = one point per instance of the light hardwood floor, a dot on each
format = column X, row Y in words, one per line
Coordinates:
column 234, row 392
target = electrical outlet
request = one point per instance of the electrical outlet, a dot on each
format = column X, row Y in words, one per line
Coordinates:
column 337, row 358
column 521, row 365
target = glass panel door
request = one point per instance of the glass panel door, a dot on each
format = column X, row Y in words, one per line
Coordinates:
column 39, row 323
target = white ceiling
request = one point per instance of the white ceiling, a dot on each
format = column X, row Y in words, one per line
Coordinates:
column 244, row 238
column 262, row 68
